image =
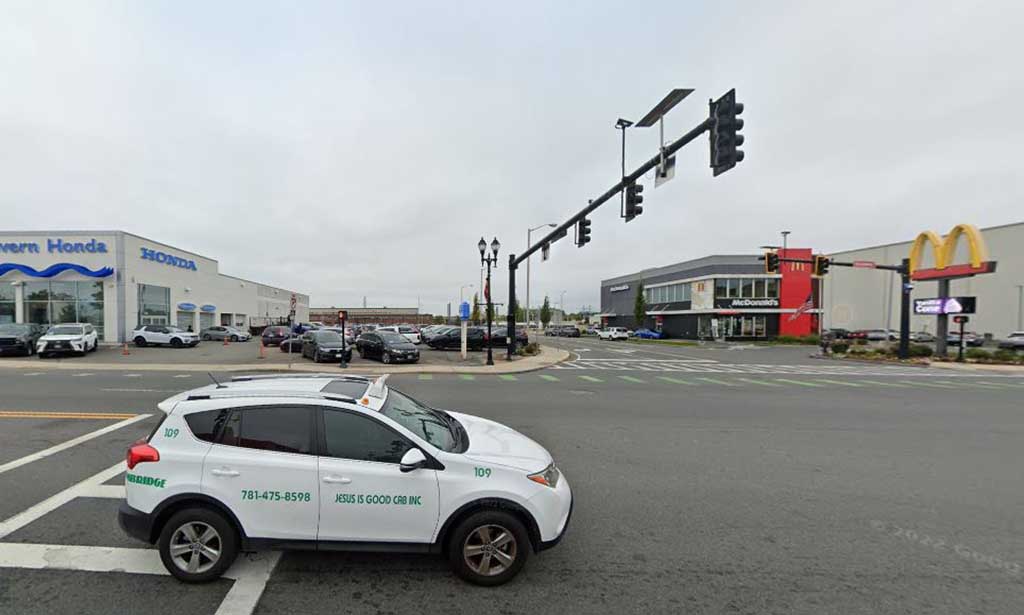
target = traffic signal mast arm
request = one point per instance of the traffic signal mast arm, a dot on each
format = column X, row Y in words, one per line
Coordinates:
column 640, row 171
column 896, row 268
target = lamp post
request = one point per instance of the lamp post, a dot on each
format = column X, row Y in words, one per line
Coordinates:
column 462, row 288
column 489, row 260
column 528, row 244
column 561, row 306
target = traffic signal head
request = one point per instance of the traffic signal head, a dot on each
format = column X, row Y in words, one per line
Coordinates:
column 724, row 134
column 582, row 232
column 633, row 200
column 821, row 264
column 771, row 262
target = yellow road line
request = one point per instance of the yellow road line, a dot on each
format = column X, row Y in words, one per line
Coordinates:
column 45, row 414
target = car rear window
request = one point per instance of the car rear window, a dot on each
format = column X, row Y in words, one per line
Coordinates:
column 205, row 425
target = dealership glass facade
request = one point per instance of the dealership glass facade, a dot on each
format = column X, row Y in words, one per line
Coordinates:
column 7, row 308
column 726, row 288
column 154, row 305
column 668, row 294
column 49, row 303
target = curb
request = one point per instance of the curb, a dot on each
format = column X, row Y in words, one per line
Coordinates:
column 549, row 355
column 979, row 367
column 869, row 361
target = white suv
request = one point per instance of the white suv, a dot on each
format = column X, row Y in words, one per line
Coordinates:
column 344, row 463
column 164, row 334
column 613, row 333
column 407, row 332
column 72, row 337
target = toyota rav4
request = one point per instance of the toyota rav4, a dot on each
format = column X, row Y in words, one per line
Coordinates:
column 345, row 463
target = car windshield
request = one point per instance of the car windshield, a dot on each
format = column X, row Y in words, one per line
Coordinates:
column 328, row 337
column 65, row 330
column 432, row 425
column 394, row 338
column 15, row 329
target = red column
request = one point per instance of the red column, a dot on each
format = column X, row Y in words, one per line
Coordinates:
column 796, row 288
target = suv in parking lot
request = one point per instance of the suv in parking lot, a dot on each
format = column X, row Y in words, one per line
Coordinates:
column 388, row 346
column 338, row 463
column 325, row 345
column 19, row 338
column 68, row 338
column 164, row 334
column 613, row 333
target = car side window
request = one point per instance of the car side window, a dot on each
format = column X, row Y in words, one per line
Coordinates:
column 286, row 429
column 350, row 436
column 206, row 425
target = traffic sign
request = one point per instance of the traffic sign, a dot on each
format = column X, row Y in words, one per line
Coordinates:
column 945, row 305
column 961, row 319
column 865, row 264
column 464, row 310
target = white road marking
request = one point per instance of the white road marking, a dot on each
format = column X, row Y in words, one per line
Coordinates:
column 133, row 375
column 17, row 463
column 82, row 375
column 251, row 572
column 113, row 492
column 20, row 520
column 78, row 557
column 581, row 350
column 183, row 376
column 33, row 374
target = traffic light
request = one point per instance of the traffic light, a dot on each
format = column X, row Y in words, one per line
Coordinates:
column 582, row 232
column 821, row 264
column 771, row 262
column 633, row 200
column 724, row 134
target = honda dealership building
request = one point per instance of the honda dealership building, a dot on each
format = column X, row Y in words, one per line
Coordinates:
column 118, row 281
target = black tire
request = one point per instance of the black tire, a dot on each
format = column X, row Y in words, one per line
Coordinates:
column 386, row 357
column 95, row 346
column 493, row 523
column 316, row 356
column 175, row 343
column 234, row 338
column 227, row 541
column 140, row 342
column 206, row 337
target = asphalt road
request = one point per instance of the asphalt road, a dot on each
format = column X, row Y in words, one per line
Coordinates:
column 756, row 480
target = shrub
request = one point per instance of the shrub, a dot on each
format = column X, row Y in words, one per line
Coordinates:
column 860, row 341
column 840, row 347
column 1005, row 355
column 921, row 350
column 858, row 351
column 812, row 340
column 978, row 354
column 528, row 350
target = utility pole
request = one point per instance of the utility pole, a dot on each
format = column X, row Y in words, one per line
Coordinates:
column 528, row 232
column 1020, row 307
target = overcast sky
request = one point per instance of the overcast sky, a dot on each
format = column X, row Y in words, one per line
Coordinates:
column 362, row 148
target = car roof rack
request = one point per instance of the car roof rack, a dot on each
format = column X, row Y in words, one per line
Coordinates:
column 298, row 376
column 229, row 394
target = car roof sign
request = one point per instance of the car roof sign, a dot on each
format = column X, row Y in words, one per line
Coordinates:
column 378, row 389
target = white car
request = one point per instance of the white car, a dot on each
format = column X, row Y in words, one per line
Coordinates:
column 338, row 463
column 408, row 332
column 68, row 338
column 164, row 334
column 613, row 333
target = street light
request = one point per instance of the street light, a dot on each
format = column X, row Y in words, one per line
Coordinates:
column 462, row 288
column 492, row 259
column 528, row 244
column 561, row 305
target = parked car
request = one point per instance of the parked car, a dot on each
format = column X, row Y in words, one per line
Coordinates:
column 325, row 345
column 970, row 339
column 70, row 338
column 293, row 344
column 922, row 337
column 410, row 333
column 836, row 333
column 429, row 333
column 591, row 330
column 388, row 346
column 222, row 332
column 1013, row 341
column 274, row 335
column 164, row 335
column 499, row 337
column 569, row 331
column 19, row 338
column 349, row 338
column 876, row 335
column 452, row 338
column 647, row 334
column 613, row 333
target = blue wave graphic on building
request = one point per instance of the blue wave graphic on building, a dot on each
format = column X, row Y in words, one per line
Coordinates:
column 55, row 269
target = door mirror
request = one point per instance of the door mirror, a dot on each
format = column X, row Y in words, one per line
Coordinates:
column 413, row 459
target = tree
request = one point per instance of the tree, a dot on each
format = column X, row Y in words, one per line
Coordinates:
column 475, row 314
column 545, row 312
column 520, row 313
column 640, row 305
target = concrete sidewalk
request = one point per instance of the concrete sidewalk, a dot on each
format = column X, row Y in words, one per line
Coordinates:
column 979, row 367
column 548, row 356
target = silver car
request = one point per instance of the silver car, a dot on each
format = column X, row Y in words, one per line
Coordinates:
column 224, row 332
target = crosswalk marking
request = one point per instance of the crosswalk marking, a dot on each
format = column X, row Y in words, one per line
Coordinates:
column 549, row 378
column 721, row 382
column 980, row 385
column 632, row 379
column 675, row 380
column 467, row 376
column 885, row 384
column 591, row 379
column 508, row 377
column 839, row 382
column 926, row 384
column 761, row 382
column 799, row 382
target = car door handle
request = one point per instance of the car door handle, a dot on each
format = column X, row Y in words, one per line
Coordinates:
column 341, row 480
column 224, row 472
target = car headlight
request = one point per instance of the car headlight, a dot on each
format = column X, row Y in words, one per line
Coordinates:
column 548, row 476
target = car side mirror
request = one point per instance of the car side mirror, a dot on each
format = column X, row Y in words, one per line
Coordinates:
column 413, row 459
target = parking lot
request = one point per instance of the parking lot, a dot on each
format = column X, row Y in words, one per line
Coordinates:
column 706, row 480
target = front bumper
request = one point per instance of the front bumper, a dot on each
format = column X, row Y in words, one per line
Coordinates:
column 134, row 522
column 61, row 347
column 552, row 510
column 15, row 348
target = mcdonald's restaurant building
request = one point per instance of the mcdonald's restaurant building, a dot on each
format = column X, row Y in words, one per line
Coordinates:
column 117, row 281
column 862, row 298
column 717, row 297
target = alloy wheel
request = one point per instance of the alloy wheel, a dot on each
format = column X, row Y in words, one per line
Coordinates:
column 195, row 547
column 490, row 550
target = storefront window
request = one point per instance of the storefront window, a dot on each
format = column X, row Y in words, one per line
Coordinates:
column 721, row 287
column 772, row 287
column 154, row 305
column 7, row 307
column 759, row 287
column 747, row 287
column 48, row 303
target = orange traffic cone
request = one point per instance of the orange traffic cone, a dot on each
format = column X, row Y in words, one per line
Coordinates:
column 226, row 340
column 263, row 349
column 124, row 351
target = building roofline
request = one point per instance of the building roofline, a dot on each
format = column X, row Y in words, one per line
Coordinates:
column 648, row 270
column 896, row 243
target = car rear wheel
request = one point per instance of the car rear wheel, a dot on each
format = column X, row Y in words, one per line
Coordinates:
column 176, row 343
column 489, row 548
column 206, row 337
column 234, row 338
column 316, row 356
column 197, row 545
column 140, row 342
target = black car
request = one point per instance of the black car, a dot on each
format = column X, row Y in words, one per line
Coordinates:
column 428, row 334
column 388, row 346
column 19, row 339
column 322, row 345
column 568, row 331
column 273, row 336
column 292, row 344
column 475, row 339
column 499, row 337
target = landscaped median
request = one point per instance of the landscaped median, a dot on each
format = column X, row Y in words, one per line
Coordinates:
column 922, row 354
column 547, row 357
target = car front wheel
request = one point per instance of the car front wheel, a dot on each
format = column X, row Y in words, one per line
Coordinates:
column 489, row 548
column 140, row 341
column 176, row 343
column 386, row 357
column 206, row 337
column 234, row 338
column 197, row 545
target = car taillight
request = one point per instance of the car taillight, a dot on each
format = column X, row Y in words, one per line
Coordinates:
column 141, row 452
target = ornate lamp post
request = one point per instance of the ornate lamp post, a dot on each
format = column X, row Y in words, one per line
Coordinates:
column 491, row 259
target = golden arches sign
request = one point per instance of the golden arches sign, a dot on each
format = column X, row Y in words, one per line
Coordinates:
column 944, row 250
